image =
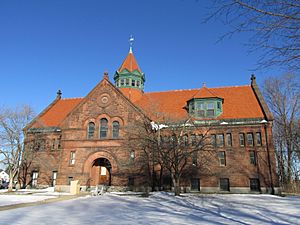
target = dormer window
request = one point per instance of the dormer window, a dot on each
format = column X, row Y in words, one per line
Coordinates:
column 205, row 107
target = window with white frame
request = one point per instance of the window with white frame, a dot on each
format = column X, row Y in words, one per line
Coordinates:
column 72, row 157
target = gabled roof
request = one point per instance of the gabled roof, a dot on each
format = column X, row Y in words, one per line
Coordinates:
column 56, row 113
column 130, row 64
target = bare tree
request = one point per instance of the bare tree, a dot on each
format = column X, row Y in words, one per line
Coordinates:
column 283, row 97
column 274, row 25
column 12, row 122
column 170, row 148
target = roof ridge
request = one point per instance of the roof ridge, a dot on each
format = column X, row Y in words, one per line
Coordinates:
column 71, row 98
column 197, row 89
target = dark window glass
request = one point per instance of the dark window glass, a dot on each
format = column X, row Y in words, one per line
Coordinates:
column 116, row 129
column 137, row 83
column 254, row 184
column 133, row 83
column 195, row 158
column 127, row 82
column 220, row 140
column 193, row 139
column 224, row 184
column 185, row 140
column 258, row 139
column 213, row 140
column 103, row 128
column 222, row 158
column 122, row 82
column 229, row 139
column 91, row 130
column 130, row 181
column 249, row 139
column 252, row 157
column 242, row 139
column 219, row 105
column 195, row 184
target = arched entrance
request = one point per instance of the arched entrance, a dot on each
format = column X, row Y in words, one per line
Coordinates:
column 101, row 172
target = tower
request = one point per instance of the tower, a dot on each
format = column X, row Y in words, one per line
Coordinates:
column 129, row 75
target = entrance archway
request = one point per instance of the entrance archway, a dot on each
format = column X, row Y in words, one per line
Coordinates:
column 101, row 172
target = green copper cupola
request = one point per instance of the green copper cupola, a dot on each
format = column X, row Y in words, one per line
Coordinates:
column 129, row 75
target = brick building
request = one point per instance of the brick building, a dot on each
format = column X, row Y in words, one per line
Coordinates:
column 84, row 138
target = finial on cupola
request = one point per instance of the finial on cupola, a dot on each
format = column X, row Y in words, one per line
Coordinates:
column 105, row 76
column 131, row 40
column 59, row 93
column 203, row 84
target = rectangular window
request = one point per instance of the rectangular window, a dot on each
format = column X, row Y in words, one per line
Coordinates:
column 258, row 138
column 213, row 140
column 219, row 105
column 138, row 83
column 194, row 158
column 35, row 175
column 191, row 107
column 228, row 139
column 250, row 139
column 195, row 184
column 133, row 83
column 69, row 180
column 122, row 82
column 252, row 157
column 222, row 158
column 54, row 177
column 224, row 184
column 127, row 82
column 254, row 184
column 220, row 140
column 242, row 139
column 210, row 112
column 72, row 158
column 200, row 109
column 130, row 181
column 193, row 139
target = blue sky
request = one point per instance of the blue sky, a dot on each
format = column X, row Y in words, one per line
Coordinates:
column 68, row 44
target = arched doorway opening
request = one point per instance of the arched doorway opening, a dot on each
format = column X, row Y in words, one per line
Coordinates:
column 101, row 172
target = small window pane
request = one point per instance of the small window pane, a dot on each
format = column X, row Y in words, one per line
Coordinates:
column 213, row 140
column 127, row 81
column 249, row 139
column 242, row 139
column 258, row 139
column 103, row 128
column 195, row 184
column 116, row 129
column 138, row 83
column 229, row 139
column 222, row 158
column 220, row 140
column 133, row 83
column 122, row 82
column 219, row 105
column 72, row 158
column 254, row 184
column 91, row 130
column 252, row 157
column 224, row 184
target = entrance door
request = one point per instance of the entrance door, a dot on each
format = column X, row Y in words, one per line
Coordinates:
column 101, row 172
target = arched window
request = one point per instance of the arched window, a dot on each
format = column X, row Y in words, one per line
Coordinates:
column 103, row 128
column 91, row 130
column 116, row 129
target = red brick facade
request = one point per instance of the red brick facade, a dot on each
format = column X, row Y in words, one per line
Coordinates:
column 70, row 154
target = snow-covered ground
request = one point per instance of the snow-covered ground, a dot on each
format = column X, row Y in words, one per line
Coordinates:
column 161, row 208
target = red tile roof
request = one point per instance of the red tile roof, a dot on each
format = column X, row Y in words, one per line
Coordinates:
column 239, row 102
column 130, row 64
column 56, row 113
